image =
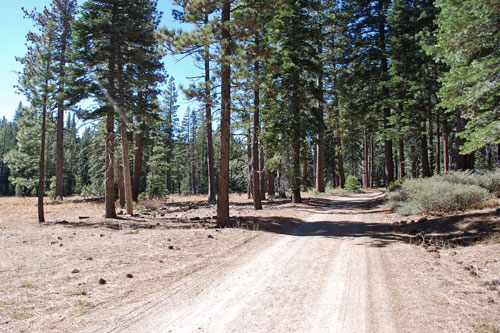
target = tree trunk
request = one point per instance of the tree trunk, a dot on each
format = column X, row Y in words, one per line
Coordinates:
column 126, row 169
column 365, row 151
column 296, row 178
column 340, row 162
column 249, row 163
column 426, row 171
column 139, row 153
column 263, row 174
column 305, row 171
column 438, row 144
column 223, row 195
column 389, row 163
column 431, row 146
column 270, row 177
column 320, row 146
column 119, row 180
column 208, row 116
column 110, row 175
column 41, row 179
column 59, row 150
column 257, row 203
column 464, row 162
column 372, row 161
column 446, row 152
column 402, row 173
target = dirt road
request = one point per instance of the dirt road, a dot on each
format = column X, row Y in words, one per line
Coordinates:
column 324, row 276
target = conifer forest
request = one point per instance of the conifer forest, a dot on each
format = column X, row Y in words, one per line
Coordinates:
column 291, row 96
column 250, row 166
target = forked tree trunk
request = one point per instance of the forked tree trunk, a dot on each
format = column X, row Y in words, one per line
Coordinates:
column 223, row 195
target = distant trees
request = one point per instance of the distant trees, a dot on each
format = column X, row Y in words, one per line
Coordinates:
column 307, row 90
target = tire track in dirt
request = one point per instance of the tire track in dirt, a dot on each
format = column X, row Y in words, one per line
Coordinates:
column 318, row 278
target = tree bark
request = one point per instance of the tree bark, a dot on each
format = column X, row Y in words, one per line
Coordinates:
column 446, row 152
column 365, row 151
column 372, row 161
column 59, row 149
column 223, row 195
column 340, row 161
column 208, row 116
column 426, row 171
column 263, row 174
column 305, row 169
column 139, row 153
column 257, row 203
column 41, row 179
column 438, row 143
column 389, row 163
column 431, row 146
column 126, row 170
column 119, row 181
column 402, row 173
column 296, row 178
column 249, row 163
column 270, row 177
column 320, row 146
column 110, row 175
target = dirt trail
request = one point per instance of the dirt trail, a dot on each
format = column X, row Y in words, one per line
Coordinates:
column 318, row 278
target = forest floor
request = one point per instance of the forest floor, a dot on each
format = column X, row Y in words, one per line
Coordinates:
column 332, row 263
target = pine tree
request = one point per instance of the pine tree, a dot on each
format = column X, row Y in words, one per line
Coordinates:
column 468, row 36
column 62, row 13
column 110, row 37
column 37, row 83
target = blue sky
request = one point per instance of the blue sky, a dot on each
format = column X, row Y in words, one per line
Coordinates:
column 13, row 29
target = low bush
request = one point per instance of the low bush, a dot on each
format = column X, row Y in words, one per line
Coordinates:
column 436, row 195
column 396, row 185
column 488, row 179
column 352, row 184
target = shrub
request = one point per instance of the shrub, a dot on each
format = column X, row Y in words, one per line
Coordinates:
column 487, row 179
column 436, row 195
column 352, row 184
column 396, row 185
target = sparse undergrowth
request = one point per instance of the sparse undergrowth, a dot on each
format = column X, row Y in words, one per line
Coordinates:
column 437, row 195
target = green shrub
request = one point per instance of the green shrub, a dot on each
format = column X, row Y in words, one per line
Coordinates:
column 396, row 185
column 352, row 184
column 487, row 179
column 436, row 195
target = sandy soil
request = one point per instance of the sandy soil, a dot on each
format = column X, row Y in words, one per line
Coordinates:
column 335, row 264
